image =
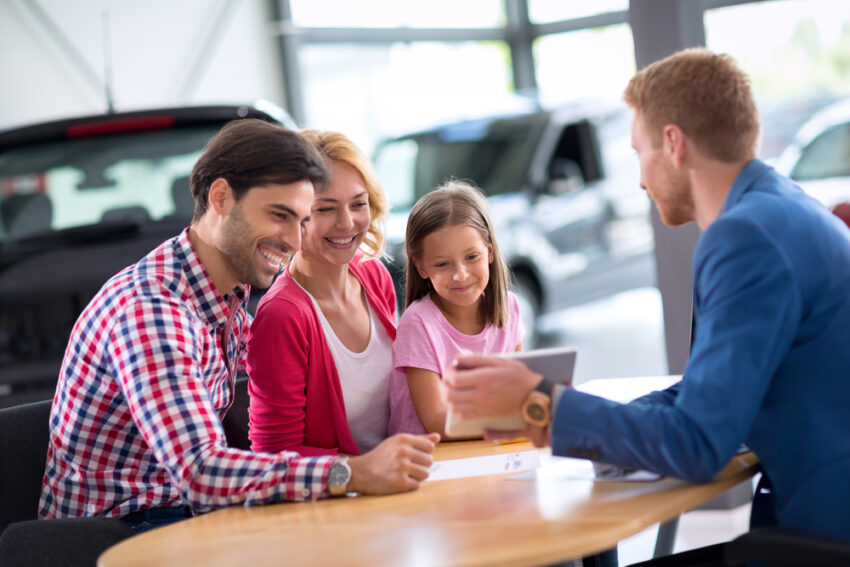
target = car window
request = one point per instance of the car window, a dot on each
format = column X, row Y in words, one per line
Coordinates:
column 141, row 176
column 492, row 154
column 395, row 164
column 828, row 155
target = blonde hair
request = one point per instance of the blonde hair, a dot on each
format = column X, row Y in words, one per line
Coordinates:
column 334, row 146
column 706, row 95
column 456, row 203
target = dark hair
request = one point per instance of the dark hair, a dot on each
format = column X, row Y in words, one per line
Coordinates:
column 456, row 203
column 251, row 153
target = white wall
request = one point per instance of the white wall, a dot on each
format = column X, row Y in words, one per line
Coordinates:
column 156, row 51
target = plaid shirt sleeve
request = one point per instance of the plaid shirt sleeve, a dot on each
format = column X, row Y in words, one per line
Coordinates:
column 157, row 356
column 242, row 352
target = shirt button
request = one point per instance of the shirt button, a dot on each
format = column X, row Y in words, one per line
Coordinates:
column 306, row 493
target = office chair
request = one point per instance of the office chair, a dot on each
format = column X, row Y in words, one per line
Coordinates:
column 765, row 545
column 842, row 211
column 235, row 420
column 25, row 540
column 770, row 547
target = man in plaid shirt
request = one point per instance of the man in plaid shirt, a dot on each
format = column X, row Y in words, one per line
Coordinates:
column 135, row 426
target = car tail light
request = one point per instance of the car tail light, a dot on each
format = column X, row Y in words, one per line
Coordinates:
column 121, row 125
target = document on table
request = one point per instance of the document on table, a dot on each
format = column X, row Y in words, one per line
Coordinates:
column 480, row 466
column 564, row 468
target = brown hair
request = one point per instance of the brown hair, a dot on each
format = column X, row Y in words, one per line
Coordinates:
column 456, row 203
column 251, row 153
column 337, row 147
column 706, row 95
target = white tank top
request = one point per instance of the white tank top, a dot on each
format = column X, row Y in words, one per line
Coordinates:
column 364, row 377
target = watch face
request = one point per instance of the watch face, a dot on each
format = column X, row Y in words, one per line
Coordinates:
column 339, row 475
column 536, row 412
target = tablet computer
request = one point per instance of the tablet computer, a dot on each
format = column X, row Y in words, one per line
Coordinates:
column 557, row 364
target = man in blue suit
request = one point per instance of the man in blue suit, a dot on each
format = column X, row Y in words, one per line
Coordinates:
column 770, row 360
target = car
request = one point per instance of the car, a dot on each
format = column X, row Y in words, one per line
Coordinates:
column 818, row 157
column 563, row 191
column 80, row 199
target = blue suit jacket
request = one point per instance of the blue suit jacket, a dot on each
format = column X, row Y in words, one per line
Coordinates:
column 769, row 366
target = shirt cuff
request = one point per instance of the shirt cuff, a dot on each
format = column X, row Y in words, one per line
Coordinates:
column 557, row 392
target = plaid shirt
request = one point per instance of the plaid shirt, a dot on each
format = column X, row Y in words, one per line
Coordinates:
column 135, row 422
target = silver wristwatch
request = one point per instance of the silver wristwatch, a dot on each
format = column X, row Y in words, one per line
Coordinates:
column 339, row 476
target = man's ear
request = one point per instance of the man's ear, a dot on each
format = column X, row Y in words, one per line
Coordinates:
column 674, row 143
column 220, row 196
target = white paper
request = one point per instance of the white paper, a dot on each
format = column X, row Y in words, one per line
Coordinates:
column 480, row 466
column 565, row 469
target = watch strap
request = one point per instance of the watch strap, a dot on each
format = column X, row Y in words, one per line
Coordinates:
column 546, row 386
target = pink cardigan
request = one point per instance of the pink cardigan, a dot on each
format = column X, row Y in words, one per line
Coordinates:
column 296, row 397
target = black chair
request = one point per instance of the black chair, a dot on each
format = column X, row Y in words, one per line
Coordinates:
column 768, row 547
column 765, row 545
column 184, row 202
column 235, row 420
column 24, row 540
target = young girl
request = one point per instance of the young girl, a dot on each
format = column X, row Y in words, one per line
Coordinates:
column 457, row 300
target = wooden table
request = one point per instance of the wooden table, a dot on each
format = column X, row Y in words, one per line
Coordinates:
column 484, row 520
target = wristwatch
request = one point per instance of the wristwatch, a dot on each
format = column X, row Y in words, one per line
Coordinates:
column 339, row 476
column 536, row 407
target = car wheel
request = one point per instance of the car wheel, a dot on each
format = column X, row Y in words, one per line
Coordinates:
column 529, row 309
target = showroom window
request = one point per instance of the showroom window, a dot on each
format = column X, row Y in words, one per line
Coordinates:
column 394, row 14
column 809, row 42
column 373, row 91
column 566, row 73
column 545, row 11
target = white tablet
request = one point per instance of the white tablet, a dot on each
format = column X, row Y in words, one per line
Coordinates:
column 557, row 364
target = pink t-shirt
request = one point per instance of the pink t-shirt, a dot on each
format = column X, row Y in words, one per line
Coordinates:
column 425, row 339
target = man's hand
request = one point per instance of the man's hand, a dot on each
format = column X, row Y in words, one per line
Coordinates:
column 484, row 386
column 398, row 464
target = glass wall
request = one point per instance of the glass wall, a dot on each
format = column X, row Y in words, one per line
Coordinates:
column 545, row 11
column 395, row 14
column 800, row 66
column 568, row 64
column 800, row 72
column 571, row 214
column 374, row 91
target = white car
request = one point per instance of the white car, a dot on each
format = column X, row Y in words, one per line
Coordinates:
column 818, row 158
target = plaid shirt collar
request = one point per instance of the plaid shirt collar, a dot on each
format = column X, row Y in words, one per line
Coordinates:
column 213, row 307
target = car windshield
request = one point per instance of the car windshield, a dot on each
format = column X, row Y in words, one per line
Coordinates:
column 494, row 155
column 138, row 177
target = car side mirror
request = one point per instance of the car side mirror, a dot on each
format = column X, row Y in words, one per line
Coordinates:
column 565, row 176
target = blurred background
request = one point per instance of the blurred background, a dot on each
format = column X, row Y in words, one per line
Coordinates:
column 379, row 69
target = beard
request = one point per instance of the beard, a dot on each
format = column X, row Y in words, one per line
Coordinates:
column 239, row 252
column 675, row 200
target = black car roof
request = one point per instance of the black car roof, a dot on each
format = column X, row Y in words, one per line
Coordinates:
column 139, row 120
